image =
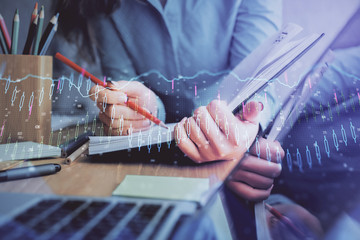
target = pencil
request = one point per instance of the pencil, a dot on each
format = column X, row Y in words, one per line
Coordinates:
column 95, row 80
column 49, row 28
column 34, row 13
column 3, row 44
column 77, row 153
column 5, row 33
column 15, row 33
column 286, row 221
column 30, row 36
column 49, row 40
column 80, row 69
column 145, row 113
column 39, row 31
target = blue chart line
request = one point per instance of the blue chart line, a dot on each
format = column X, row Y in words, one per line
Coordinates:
column 61, row 81
column 71, row 83
column 326, row 147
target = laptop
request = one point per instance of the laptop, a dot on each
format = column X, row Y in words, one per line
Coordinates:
column 27, row 216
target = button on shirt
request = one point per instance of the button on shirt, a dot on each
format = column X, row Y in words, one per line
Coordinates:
column 181, row 51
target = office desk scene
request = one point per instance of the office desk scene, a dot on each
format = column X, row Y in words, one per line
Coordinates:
column 167, row 119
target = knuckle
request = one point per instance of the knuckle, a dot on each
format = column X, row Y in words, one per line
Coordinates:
column 199, row 111
column 121, row 82
column 267, row 183
column 214, row 103
column 282, row 152
column 222, row 155
column 198, row 160
column 277, row 171
column 137, row 84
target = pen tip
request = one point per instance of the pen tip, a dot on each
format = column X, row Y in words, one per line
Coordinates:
column 163, row 125
column 57, row 167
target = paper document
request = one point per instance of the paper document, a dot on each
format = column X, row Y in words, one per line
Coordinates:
column 27, row 150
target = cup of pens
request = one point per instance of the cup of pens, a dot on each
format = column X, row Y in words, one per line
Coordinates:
column 26, row 84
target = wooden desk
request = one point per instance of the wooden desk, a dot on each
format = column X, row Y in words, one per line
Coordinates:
column 87, row 177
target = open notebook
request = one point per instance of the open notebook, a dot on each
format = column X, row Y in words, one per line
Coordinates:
column 252, row 75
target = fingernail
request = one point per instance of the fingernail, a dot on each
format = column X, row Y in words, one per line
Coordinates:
column 123, row 98
column 261, row 106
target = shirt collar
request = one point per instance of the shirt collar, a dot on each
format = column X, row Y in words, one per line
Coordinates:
column 156, row 4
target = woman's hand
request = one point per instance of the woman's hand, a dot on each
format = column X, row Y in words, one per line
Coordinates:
column 115, row 114
column 214, row 133
column 255, row 175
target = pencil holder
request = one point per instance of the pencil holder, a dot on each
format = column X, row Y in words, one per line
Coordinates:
column 26, row 88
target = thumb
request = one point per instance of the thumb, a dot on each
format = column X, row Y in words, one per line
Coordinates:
column 252, row 110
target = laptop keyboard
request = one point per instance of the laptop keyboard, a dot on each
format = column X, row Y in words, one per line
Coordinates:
column 82, row 219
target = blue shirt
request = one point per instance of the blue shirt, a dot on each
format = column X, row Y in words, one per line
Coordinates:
column 182, row 50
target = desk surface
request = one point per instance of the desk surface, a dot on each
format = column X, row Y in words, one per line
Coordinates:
column 95, row 178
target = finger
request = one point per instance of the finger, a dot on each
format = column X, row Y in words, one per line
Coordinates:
column 226, row 120
column 252, row 179
column 209, row 128
column 136, row 124
column 185, row 144
column 267, row 169
column 100, row 94
column 117, row 111
column 268, row 150
column 249, row 193
column 251, row 111
column 199, row 139
column 195, row 133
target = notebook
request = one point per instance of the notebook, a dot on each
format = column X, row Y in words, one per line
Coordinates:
column 27, row 150
column 252, row 75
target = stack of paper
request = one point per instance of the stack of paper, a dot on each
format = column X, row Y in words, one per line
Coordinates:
column 155, row 135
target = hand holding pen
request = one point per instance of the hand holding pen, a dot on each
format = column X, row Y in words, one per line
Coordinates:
column 125, row 106
column 116, row 109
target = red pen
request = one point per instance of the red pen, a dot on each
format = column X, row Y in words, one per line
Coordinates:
column 286, row 221
column 96, row 80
